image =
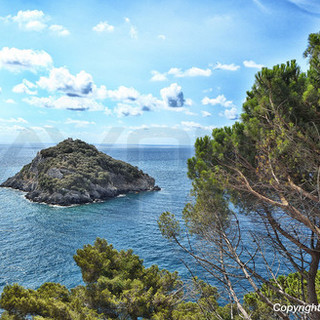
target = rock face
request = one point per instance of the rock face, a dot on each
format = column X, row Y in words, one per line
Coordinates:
column 74, row 172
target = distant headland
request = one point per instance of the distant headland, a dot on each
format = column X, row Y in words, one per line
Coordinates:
column 75, row 172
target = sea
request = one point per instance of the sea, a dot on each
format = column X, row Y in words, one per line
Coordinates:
column 37, row 241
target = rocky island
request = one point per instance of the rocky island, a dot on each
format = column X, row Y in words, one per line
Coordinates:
column 74, row 172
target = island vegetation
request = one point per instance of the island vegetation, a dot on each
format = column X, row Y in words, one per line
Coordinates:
column 264, row 169
column 75, row 172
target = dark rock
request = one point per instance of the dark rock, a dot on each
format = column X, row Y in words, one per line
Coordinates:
column 55, row 173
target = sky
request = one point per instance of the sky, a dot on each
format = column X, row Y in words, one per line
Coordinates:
column 139, row 72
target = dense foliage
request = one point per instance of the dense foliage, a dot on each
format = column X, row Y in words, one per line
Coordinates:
column 81, row 164
column 268, row 167
column 117, row 286
column 291, row 284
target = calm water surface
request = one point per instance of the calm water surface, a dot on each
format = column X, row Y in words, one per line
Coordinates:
column 37, row 242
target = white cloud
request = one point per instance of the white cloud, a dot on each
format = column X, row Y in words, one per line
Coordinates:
column 60, row 79
column 36, row 20
column 205, row 114
column 252, row 64
column 71, row 92
column 10, row 101
column 107, row 111
column 79, row 85
column 124, row 110
column 80, row 93
column 99, row 93
column 14, row 120
column 189, row 113
column 195, row 72
column 11, row 128
column 148, row 102
column 229, row 67
column 220, row 99
column 103, row 26
column 79, row 123
column 261, row 6
column 162, row 36
column 188, row 102
column 179, row 73
column 145, row 126
column 142, row 127
column 66, row 103
column 123, row 93
column 35, row 26
column 157, row 76
column 191, row 125
column 231, row 114
column 25, row 87
column 311, row 6
column 173, row 96
column 192, row 72
column 30, row 20
column 132, row 102
column 59, row 30
column 133, row 32
column 131, row 97
column 175, row 71
column 17, row 60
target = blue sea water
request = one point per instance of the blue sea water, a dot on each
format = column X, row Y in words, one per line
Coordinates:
column 37, row 242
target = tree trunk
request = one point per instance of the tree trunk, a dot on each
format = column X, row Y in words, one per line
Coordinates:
column 311, row 285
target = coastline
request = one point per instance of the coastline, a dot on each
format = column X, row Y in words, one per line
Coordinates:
column 121, row 195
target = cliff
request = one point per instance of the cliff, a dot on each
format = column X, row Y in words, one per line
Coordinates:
column 74, row 172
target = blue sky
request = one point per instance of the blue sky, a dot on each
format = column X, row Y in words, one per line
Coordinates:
column 140, row 72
